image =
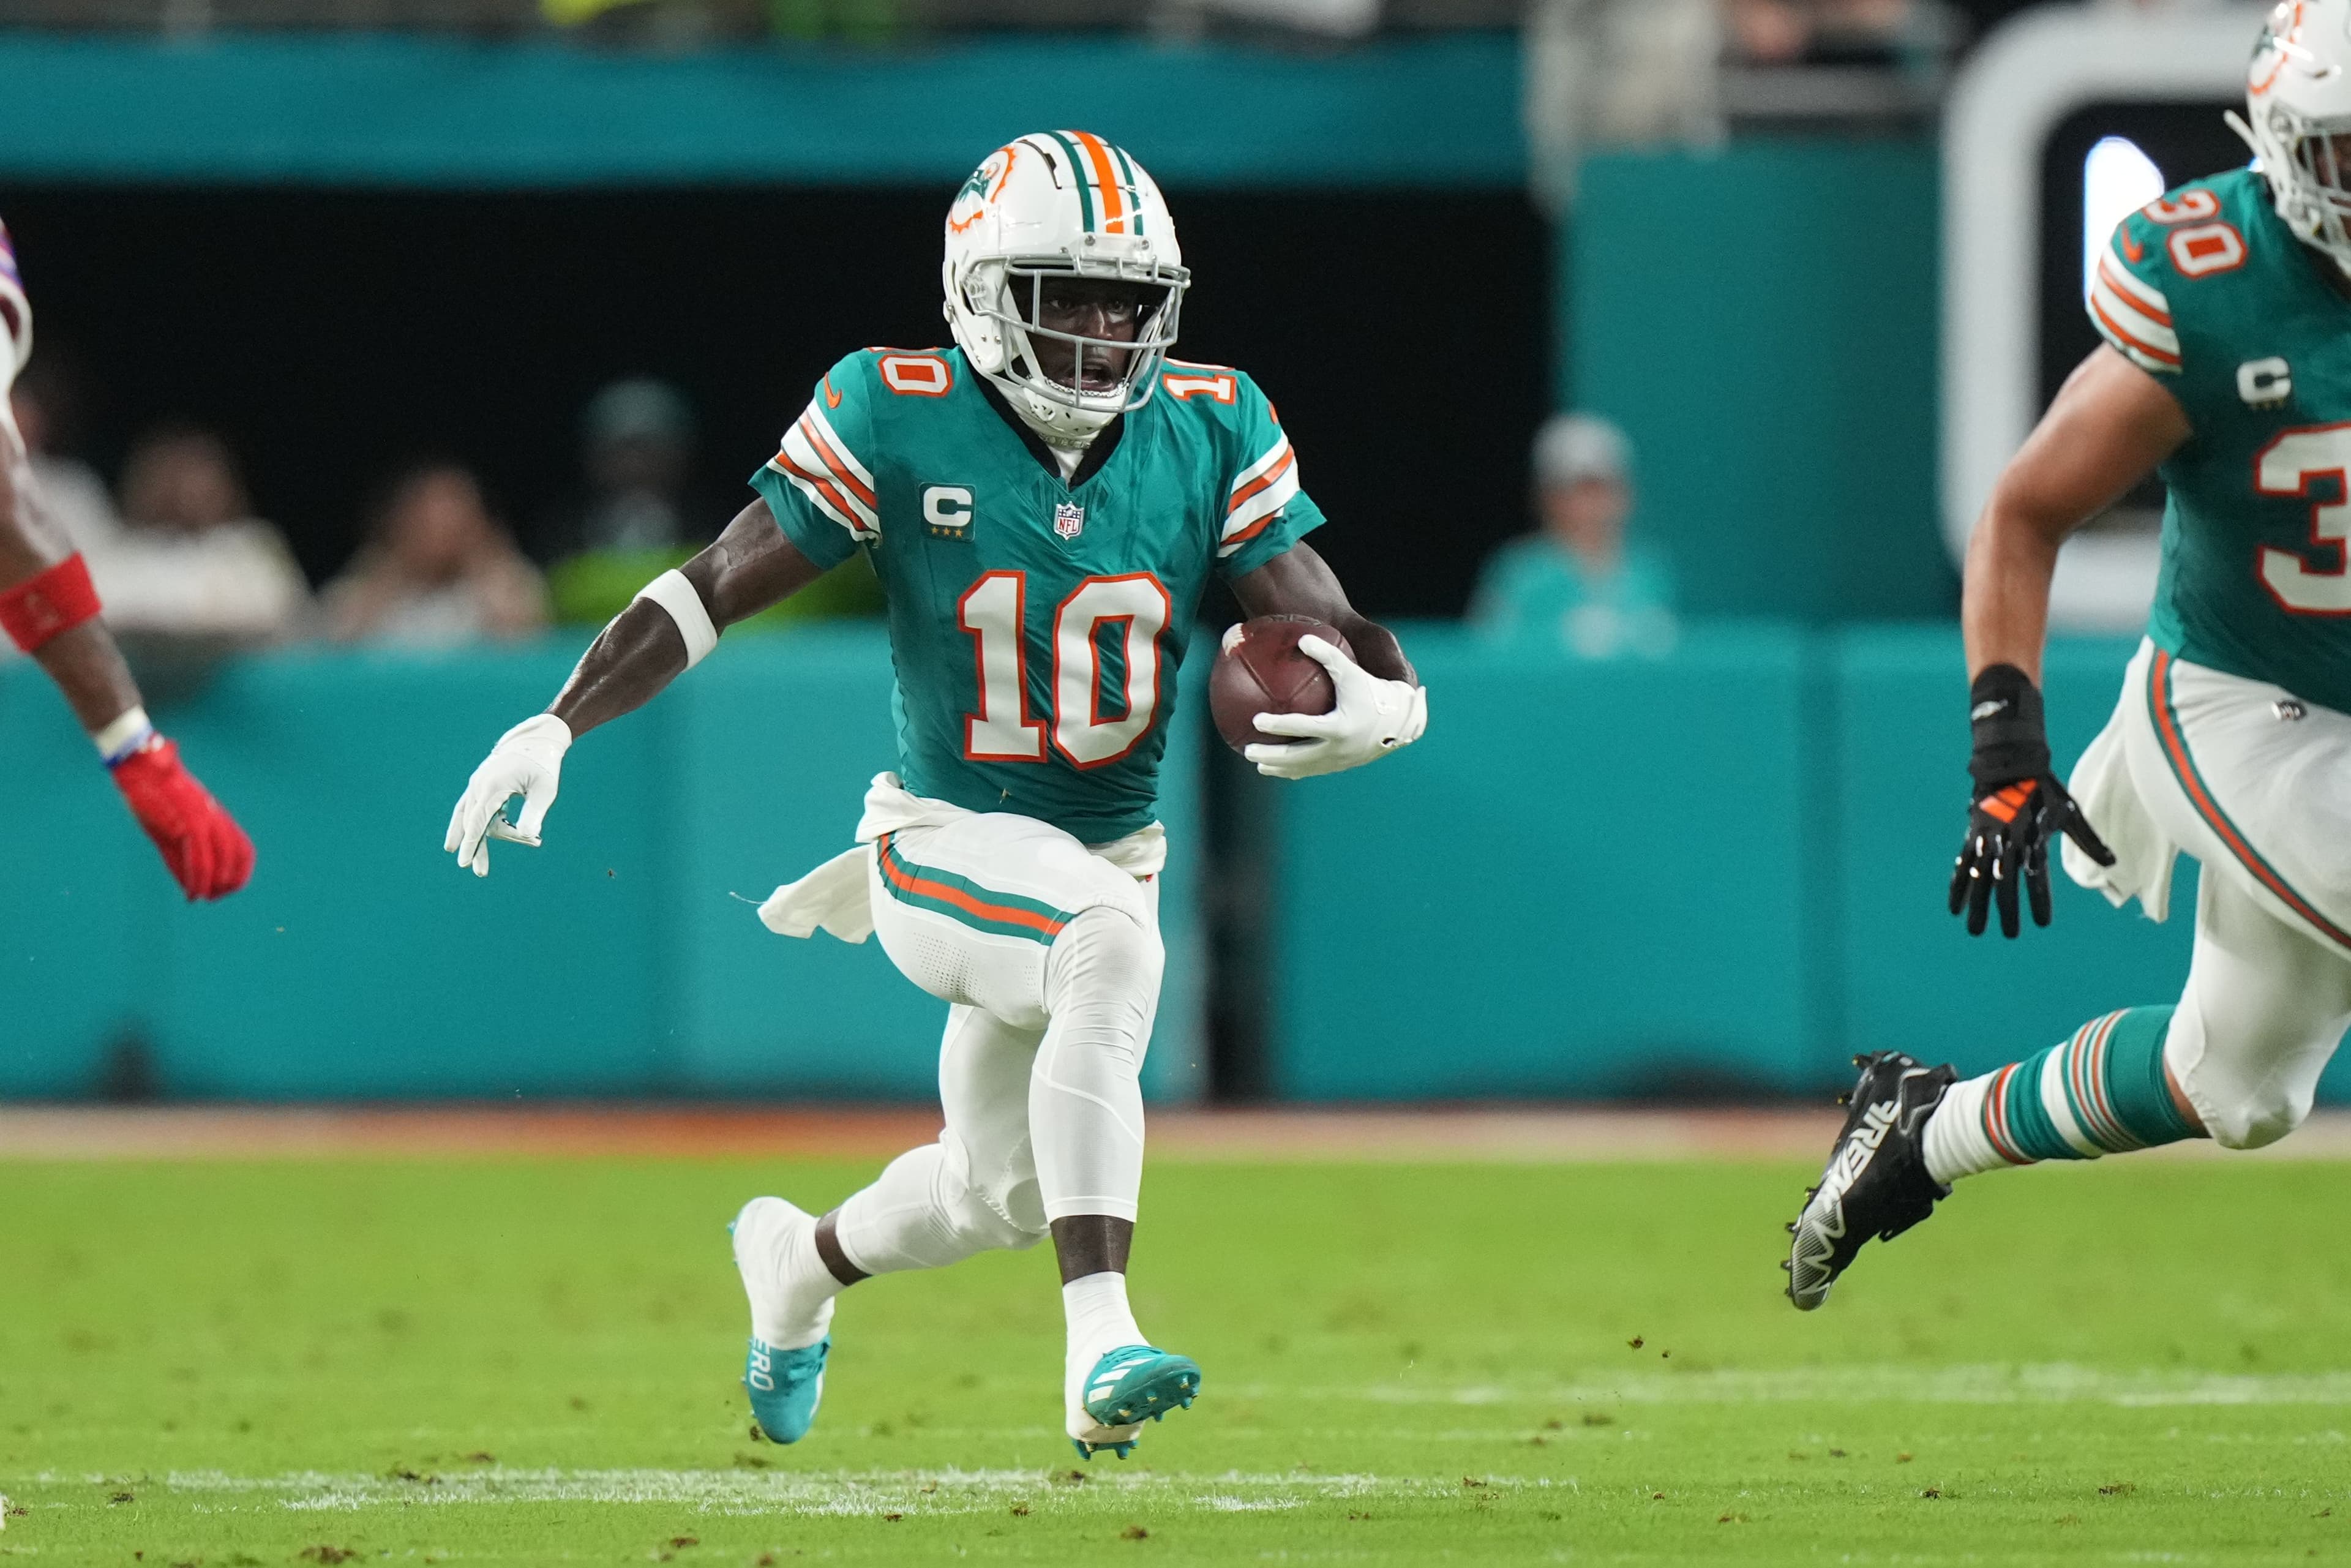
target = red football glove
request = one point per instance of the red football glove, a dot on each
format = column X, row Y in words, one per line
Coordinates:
column 207, row 852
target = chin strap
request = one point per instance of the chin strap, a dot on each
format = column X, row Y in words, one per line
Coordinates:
column 2236, row 122
column 1022, row 402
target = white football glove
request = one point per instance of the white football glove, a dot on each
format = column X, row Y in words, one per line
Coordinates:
column 1372, row 718
column 527, row 761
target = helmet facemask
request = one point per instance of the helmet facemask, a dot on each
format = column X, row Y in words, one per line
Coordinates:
column 2297, row 121
column 2308, row 163
column 1073, row 385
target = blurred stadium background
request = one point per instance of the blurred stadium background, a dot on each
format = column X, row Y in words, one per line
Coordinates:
column 385, row 346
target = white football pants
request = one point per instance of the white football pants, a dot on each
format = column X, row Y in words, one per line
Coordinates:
column 1048, row 957
column 2257, row 786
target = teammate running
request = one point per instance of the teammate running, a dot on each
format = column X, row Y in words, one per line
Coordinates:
column 1044, row 503
column 2226, row 308
column 49, row 609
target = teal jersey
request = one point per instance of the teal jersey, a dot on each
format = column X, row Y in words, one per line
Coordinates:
column 2211, row 293
column 1038, row 624
column 1534, row 592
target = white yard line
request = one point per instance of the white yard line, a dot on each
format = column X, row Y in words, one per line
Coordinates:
column 811, row 1493
column 2053, row 1384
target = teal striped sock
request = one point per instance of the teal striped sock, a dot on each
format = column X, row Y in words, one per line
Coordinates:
column 2102, row 1092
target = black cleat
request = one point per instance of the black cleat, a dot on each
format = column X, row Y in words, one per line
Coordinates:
column 1876, row 1182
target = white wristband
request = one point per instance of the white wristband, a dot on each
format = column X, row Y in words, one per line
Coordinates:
column 126, row 735
column 673, row 593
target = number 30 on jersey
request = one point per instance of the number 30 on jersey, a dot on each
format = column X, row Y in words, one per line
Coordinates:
column 994, row 612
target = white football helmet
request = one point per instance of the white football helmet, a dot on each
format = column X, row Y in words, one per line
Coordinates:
column 2297, row 103
column 1060, row 203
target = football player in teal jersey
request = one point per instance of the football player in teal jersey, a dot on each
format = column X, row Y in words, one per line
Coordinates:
column 2226, row 309
column 1044, row 503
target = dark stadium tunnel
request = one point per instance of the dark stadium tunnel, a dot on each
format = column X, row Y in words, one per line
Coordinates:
column 331, row 335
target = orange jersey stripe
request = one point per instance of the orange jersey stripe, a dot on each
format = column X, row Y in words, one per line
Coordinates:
column 1252, row 531
column 1261, row 482
column 822, row 482
column 832, row 461
column 1004, row 915
column 2160, row 355
column 2114, row 280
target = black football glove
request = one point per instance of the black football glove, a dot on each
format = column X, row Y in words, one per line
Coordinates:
column 2019, row 808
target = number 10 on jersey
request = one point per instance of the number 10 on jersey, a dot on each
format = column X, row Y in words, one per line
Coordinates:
column 994, row 614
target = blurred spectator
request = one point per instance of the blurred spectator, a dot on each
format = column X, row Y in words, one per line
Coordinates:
column 641, row 517
column 1617, row 73
column 437, row 571
column 638, row 441
column 192, row 560
column 1578, row 583
column 1792, row 32
column 637, row 449
column 70, row 492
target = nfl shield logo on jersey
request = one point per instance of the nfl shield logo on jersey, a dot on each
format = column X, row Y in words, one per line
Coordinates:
column 1068, row 519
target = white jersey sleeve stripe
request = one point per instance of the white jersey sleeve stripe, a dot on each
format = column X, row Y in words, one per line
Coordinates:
column 821, row 493
column 2150, row 299
column 1251, row 476
column 2150, row 346
column 1254, row 516
column 815, row 415
column 2155, row 330
column 821, row 482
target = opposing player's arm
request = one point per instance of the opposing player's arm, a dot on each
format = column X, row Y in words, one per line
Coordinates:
column 49, row 609
column 81, row 659
column 2110, row 427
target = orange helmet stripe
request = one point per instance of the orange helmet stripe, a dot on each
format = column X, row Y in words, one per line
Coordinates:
column 1105, row 180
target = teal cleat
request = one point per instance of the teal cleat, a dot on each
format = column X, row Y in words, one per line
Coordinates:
column 1130, row 1384
column 786, row 1387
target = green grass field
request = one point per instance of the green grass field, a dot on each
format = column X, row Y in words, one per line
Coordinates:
column 533, row 1362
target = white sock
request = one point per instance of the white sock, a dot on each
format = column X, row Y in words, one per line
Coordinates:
column 1955, row 1142
column 1100, row 1321
column 791, row 1291
column 1099, row 1317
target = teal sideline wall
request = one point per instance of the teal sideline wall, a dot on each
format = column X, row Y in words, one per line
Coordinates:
column 384, row 108
column 1762, row 320
column 1725, row 869
column 1721, row 871
column 360, row 963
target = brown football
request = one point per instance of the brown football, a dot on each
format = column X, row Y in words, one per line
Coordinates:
column 1263, row 672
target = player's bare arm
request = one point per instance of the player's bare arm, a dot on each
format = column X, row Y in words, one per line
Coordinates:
column 2110, row 427
column 670, row 627
column 1380, row 704
column 50, row 609
column 1298, row 581
column 751, row 567
column 82, row 660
